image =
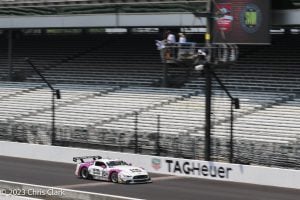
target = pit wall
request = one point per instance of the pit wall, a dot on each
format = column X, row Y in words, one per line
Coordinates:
column 163, row 165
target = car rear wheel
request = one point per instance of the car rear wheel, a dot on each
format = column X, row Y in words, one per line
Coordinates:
column 84, row 173
column 114, row 177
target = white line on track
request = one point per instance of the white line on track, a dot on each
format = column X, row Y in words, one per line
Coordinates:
column 68, row 192
column 83, row 185
column 109, row 183
column 13, row 197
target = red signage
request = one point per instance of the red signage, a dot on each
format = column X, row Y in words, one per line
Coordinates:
column 241, row 21
column 223, row 17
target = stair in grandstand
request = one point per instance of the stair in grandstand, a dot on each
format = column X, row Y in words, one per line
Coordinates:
column 9, row 89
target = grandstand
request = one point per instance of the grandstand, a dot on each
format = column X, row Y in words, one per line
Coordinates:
column 274, row 68
column 110, row 85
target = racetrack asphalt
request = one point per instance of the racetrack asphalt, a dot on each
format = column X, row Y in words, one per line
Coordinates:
column 164, row 187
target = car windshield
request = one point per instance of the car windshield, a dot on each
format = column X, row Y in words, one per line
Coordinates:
column 116, row 163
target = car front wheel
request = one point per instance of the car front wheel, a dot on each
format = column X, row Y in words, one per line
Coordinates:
column 114, row 177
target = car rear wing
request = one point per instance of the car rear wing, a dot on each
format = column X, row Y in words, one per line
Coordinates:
column 75, row 159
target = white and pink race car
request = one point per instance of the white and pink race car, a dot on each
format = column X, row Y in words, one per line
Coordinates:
column 116, row 171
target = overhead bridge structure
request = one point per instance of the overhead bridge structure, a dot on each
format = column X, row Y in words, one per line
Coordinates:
column 101, row 13
column 28, row 3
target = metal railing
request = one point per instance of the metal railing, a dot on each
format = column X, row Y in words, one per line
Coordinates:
column 198, row 53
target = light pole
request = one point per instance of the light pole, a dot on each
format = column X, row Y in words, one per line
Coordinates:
column 208, row 89
column 158, row 136
column 209, row 73
column 55, row 93
column 233, row 102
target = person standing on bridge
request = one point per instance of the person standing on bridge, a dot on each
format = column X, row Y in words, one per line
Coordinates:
column 171, row 39
column 182, row 38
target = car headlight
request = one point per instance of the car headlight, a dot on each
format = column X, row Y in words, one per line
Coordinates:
column 127, row 176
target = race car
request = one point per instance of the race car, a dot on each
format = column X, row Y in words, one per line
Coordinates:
column 114, row 170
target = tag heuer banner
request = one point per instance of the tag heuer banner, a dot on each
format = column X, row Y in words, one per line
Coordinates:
column 241, row 21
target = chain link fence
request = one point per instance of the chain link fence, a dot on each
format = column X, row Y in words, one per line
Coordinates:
column 191, row 146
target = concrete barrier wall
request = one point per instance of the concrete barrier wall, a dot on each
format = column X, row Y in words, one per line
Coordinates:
column 163, row 165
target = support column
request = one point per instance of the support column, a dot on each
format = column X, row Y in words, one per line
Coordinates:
column 158, row 136
column 53, row 137
column 9, row 55
column 136, row 138
column 208, row 88
column 231, row 133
